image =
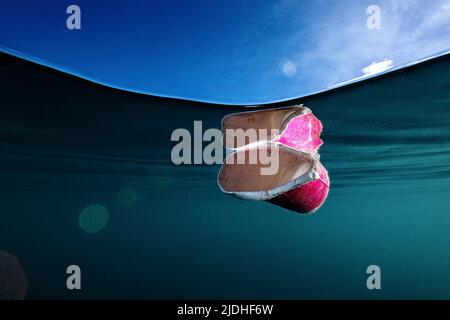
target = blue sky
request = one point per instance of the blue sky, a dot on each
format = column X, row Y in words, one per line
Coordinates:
column 237, row 52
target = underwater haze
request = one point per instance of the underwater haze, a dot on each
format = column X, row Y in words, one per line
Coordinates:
column 86, row 178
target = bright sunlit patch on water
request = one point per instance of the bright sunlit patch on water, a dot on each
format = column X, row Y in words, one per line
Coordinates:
column 93, row 218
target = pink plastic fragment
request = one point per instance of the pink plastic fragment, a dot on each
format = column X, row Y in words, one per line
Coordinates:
column 306, row 198
column 302, row 133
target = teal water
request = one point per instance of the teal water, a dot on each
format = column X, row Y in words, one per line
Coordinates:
column 163, row 231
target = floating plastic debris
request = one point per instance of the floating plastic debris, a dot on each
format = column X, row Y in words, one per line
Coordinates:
column 291, row 136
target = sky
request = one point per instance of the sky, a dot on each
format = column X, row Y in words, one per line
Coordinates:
column 234, row 52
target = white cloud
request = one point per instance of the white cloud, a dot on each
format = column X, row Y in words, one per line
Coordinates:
column 377, row 67
column 341, row 49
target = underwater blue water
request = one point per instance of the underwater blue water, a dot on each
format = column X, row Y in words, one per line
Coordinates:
column 169, row 232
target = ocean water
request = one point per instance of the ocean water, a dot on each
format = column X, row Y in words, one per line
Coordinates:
column 86, row 179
